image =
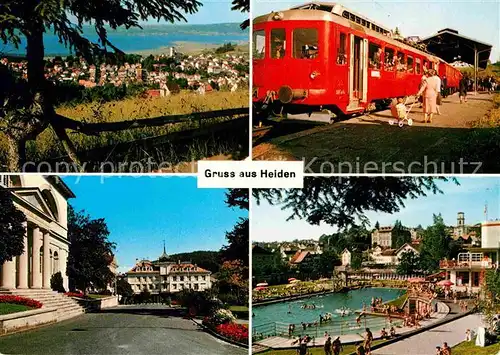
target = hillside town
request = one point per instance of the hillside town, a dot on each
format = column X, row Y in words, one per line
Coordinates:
column 203, row 72
column 379, row 250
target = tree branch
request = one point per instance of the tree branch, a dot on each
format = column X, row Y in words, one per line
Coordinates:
column 95, row 128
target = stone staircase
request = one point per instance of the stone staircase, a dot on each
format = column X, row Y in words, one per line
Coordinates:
column 65, row 306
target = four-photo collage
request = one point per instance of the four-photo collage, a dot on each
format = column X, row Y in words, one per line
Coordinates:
column 239, row 177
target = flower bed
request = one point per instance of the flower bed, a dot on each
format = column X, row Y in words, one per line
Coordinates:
column 222, row 322
column 233, row 331
column 75, row 294
column 28, row 302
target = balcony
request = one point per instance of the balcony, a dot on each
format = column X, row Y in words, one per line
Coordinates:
column 465, row 264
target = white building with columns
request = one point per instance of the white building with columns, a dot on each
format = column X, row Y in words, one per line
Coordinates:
column 44, row 201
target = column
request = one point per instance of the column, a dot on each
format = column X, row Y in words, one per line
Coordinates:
column 9, row 274
column 62, row 268
column 23, row 261
column 37, row 280
column 46, row 260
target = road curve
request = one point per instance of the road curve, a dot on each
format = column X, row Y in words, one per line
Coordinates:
column 121, row 330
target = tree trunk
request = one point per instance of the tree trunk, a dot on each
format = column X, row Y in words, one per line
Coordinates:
column 34, row 55
column 16, row 153
column 68, row 146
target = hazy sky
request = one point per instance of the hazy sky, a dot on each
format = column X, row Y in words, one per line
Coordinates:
column 141, row 212
column 269, row 222
column 476, row 19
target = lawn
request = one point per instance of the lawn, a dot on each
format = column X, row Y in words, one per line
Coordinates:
column 348, row 349
column 240, row 312
column 7, row 308
column 469, row 347
column 47, row 145
column 94, row 296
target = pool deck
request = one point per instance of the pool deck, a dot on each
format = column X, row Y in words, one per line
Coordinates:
column 277, row 342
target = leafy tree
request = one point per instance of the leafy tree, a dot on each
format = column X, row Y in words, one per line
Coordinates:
column 233, row 279
column 409, row 264
column 56, row 282
column 11, row 228
column 270, row 268
column 89, row 251
column 31, row 19
column 343, row 202
column 400, row 235
column 209, row 260
column 326, row 263
column 237, row 249
column 123, row 288
column 356, row 260
column 237, row 198
column 435, row 244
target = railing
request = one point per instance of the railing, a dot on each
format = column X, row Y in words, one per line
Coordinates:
column 334, row 328
column 453, row 264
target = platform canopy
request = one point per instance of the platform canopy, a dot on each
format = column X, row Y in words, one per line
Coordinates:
column 449, row 45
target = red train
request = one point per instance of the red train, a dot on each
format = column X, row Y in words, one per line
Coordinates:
column 323, row 56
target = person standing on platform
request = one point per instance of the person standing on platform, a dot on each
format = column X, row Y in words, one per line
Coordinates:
column 429, row 91
column 462, row 88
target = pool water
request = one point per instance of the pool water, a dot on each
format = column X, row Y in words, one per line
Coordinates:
column 291, row 312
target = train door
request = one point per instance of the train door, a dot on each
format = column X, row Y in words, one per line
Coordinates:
column 358, row 71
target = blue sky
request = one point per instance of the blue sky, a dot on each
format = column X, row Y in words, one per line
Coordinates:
column 269, row 222
column 476, row 19
column 143, row 211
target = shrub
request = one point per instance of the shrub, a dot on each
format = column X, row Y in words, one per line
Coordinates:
column 221, row 316
column 56, row 282
column 234, row 331
column 28, row 302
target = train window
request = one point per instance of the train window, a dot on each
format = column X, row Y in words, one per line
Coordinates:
column 426, row 66
column 418, row 69
column 259, row 44
column 410, row 64
column 341, row 49
column 400, row 62
column 278, row 43
column 375, row 55
column 389, row 59
column 305, row 43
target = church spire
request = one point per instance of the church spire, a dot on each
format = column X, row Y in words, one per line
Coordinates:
column 164, row 256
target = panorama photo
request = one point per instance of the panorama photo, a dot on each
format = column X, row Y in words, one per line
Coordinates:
column 112, row 86
column 377, row 87
column 377, row 265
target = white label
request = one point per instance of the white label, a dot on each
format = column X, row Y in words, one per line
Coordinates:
column 258, row 174
column 375, row 74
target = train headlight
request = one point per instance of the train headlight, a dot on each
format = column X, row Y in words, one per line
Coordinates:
column 314, row 74
column 278, row 16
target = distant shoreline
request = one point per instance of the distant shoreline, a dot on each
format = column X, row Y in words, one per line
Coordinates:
column 187, row 47
column 184, row 47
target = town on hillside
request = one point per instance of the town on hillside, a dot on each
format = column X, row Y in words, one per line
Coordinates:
column 222, row 69
column 376, row 253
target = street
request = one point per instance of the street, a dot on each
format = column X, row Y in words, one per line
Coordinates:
column 145, row 329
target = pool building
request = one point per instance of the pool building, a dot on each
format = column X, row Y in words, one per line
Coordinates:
column 468, row 271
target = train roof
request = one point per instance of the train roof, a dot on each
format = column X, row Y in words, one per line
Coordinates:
column 342, row 11
column 304, row 13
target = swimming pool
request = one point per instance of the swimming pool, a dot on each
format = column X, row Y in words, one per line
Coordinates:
column 274, row 319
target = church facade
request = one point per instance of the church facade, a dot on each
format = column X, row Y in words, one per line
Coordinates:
column 44, row 201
